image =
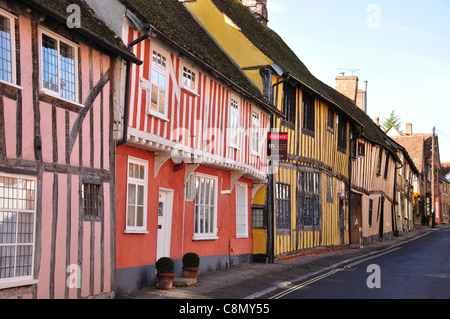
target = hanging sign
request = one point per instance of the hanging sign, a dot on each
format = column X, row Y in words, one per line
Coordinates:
column 277, row 145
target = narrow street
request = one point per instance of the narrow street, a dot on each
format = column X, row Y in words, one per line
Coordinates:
column 419, row 269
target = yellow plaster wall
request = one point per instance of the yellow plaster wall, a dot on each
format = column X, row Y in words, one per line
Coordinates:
column 230, row 38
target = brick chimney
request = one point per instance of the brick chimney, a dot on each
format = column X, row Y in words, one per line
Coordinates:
column 258, row 8
column 348, row 85
column 408, row 128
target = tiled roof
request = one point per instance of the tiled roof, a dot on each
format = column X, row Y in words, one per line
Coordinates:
column 91, row 26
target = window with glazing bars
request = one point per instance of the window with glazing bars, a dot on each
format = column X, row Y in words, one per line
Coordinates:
column 283, row 205
column 58, row 67
column 205, row 206
column 308, row 199
column 136, row 195
column 91, row 199
column 6, row 48
column 17, row 224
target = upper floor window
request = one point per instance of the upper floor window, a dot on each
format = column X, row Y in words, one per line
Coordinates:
column 254, row 142
column 188, row 80
column 289, row 105
column 386, row 166
column 59, row 66
column 342, row 135
column 158, row 103
column 380, row 156
column 330, row 120
column 234, row 123
column 308, row 112
column 7, row 48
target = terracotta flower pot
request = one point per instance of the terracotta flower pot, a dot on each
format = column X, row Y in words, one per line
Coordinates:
column 165, row 281
column 190, row 272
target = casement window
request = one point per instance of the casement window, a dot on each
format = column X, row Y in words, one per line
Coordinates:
column 254, row 138
column 233, row 126
column 330, row 120
column 59, row 66
column 283, row 205
column 7, row 48
column 17, row 228
column 205, row 214
column 188, row 80
column 91, row 198
column 258, row 219
column 342, row 135
column 370, row 212
column 289, row 105
column 386, row 166
column 380, row 156
column 308, row 199
column 361, row 149
column 136, row 195
column 308, row 113
column 158, row 85
column 241, row 210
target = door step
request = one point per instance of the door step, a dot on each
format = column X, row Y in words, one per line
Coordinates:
column 184, row 282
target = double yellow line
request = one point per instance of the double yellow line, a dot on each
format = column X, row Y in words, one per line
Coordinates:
column 313, row 280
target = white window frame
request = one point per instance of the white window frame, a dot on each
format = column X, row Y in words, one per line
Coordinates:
column 212, row 234
column 12, row 48
column 148, row 86
column 185, row 69
column 29, row 279
column 241, row 210
column 255, row 133
column 233, row 131
column 75, row 47
column 137, row 182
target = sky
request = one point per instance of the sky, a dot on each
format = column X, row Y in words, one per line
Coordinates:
column 402, row 48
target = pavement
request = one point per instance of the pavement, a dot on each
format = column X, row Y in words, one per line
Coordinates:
column 255, row 280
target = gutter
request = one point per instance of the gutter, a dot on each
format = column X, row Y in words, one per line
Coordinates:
column 127, row 85
column 128, row 56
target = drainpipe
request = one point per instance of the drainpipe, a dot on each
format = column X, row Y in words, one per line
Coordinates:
column 394, row 216
column 127, row 85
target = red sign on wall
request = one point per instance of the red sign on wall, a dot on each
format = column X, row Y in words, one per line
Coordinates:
column 277, row 145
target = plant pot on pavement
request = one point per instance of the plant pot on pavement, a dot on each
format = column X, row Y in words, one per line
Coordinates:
column 191, row 262
column 165, row 268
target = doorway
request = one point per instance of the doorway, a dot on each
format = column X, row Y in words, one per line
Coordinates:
column 164, row 234
column 355, row 219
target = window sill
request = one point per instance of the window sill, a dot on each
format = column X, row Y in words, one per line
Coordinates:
column 18, row 283
column 139, row 232
column 12, row 85
column 198, row 238
column 190, row 91
column 157, row 115
column 51, row 98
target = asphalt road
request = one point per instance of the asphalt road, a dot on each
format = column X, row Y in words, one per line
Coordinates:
column 419, row 269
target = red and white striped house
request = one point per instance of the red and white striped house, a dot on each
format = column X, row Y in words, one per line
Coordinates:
column 192, row 153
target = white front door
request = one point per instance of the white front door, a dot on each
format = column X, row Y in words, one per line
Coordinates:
column 164, row 224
